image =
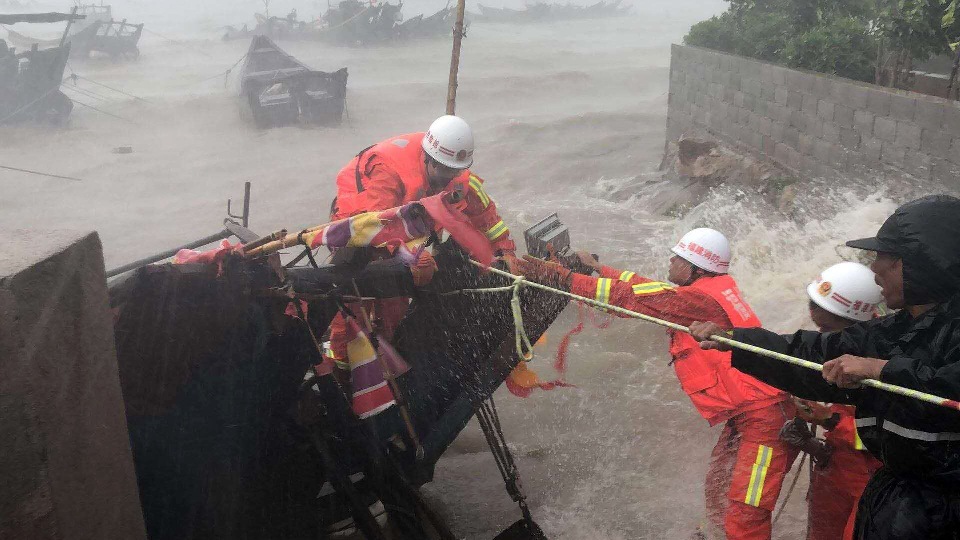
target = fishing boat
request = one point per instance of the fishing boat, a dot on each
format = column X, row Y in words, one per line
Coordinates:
column 235, row 434
column 280, row 90
column 94, row 31
column 118, row 39
column 31, row 79
column 93, row 14
column 437, row 25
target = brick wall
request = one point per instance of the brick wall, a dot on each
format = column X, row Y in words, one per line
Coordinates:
column 815, row 124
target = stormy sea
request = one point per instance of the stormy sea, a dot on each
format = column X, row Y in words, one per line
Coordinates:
column 569, row 117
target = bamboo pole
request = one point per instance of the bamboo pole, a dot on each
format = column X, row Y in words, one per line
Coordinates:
column 455, row 58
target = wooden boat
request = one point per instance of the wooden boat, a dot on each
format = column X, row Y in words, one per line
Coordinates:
column 115, row 38
column 231, row 436
column 93, row 14
column 437, row 25
column 280, row 90
column 77, row 40
column 31, row 79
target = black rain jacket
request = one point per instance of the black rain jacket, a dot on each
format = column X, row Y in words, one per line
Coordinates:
column 918, row 443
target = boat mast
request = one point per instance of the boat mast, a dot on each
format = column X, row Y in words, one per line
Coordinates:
column 455, row 58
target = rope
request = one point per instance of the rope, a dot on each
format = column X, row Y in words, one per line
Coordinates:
column 28, row 171
column 86, row 93
column 28, row 105
column 103, row 112
column 790, row 491
column 224, row 73
column 75, row 76
column 523, row 346
column 175, row 41
column 871, row 383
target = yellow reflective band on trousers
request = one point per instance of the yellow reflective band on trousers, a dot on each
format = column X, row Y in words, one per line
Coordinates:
column 758, row 475
column 857, row 443
column 478, row 189
column 603, row 290
column 650, row 288
column 626, row 275
column 496, row 231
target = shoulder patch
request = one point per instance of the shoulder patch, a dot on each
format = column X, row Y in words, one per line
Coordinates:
column 402, row 143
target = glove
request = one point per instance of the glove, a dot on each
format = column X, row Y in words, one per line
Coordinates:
column 543, row 272
column 423, row 269
column 796, row 433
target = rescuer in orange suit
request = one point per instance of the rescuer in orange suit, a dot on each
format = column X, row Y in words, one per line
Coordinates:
column 749, row 462
column 842, row 295
column 404, row 169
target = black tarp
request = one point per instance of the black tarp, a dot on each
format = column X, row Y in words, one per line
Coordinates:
column 210, row 371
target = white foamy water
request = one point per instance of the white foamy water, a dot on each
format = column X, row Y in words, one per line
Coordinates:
column 565, row 115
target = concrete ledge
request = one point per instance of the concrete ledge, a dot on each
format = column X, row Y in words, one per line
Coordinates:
column 65, row 462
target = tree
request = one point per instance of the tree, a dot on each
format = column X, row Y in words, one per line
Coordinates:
column 869, row 40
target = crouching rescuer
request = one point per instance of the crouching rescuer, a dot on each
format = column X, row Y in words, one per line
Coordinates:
column 749, row 461
column 401, row 170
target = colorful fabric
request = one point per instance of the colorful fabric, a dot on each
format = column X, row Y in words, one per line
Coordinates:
column 370, row 391
column 396, row 229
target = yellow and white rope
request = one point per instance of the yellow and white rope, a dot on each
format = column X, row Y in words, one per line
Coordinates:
column 520, row 281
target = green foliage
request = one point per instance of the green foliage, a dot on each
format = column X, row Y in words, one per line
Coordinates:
column 840, row 37
column 717, row 33
column 841, row 47
column 760, row 35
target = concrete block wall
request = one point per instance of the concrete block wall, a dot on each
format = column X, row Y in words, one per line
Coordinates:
column 812, row 123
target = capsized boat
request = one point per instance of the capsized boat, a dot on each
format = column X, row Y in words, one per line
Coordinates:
column 233, row 433
column 280, row 90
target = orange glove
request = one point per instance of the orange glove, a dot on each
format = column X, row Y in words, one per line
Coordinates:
column 424, row 269
column 543, row 272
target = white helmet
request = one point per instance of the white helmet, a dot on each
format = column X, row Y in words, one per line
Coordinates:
column 449, row 141
column 705, row 248
column 846, row 289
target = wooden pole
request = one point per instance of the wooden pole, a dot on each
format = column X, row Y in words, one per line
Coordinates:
column 455, row 58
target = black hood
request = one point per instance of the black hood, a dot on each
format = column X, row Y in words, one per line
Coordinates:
column 925, row 234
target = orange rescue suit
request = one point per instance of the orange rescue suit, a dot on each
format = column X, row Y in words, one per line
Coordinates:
column 749, row 461
column 835, row 489
column 392, row 173
column 386, row 175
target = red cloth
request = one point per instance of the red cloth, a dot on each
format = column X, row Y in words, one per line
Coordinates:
column 747, row 468
column 835, row 489
column 717, row 390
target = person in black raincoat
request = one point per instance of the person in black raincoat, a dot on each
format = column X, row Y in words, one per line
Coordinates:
column 916, row 494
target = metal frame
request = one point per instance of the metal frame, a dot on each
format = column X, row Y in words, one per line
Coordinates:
column 230, row 228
